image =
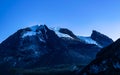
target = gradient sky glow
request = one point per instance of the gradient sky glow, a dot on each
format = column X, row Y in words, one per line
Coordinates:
column 81, row 16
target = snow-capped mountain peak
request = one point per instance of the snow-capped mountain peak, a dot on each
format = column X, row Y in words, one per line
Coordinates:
column 101, row 39
column 57, row 31
column 93, row 39
column 30, row 33
column 37, row 30
column 33, row 46
column 35, row 27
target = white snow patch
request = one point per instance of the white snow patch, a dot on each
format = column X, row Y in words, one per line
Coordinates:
column 34, row 28
column 33, row 32
column 42, row 39
column 30, row 33
column 56, row 30
column 89, row 40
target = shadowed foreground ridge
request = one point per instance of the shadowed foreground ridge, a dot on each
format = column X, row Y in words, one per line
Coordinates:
column 107, row 61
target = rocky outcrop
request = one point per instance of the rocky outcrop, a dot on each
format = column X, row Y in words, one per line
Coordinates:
column 102, row 39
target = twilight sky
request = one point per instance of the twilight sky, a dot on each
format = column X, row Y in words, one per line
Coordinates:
column 81, row 16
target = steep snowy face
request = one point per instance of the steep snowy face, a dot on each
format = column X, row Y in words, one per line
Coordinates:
column 37, row 30
column 96, row 38
column 32, row 31
column 33, row 39
column 25, row 47
column 34, row 28
column 30, row 44
column 89, row 40
column 57, row 31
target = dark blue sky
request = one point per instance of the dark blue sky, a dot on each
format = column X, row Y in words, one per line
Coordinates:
column 81, row 16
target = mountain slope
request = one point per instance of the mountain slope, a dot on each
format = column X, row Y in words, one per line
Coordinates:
column 38, row 46
column 107, row 61
column 101, row 39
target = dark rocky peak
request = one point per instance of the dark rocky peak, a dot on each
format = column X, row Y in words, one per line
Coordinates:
column 38, row 31
column 53, row 41
column 23, row 33
column 68, row 32
column 101, row 39
column 31, row 35
column 29, row 44
column 37, row 27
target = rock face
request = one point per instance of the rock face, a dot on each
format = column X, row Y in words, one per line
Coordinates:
column 102, row 39
column 67, row 31
column 38, row 46
column 107, row 61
